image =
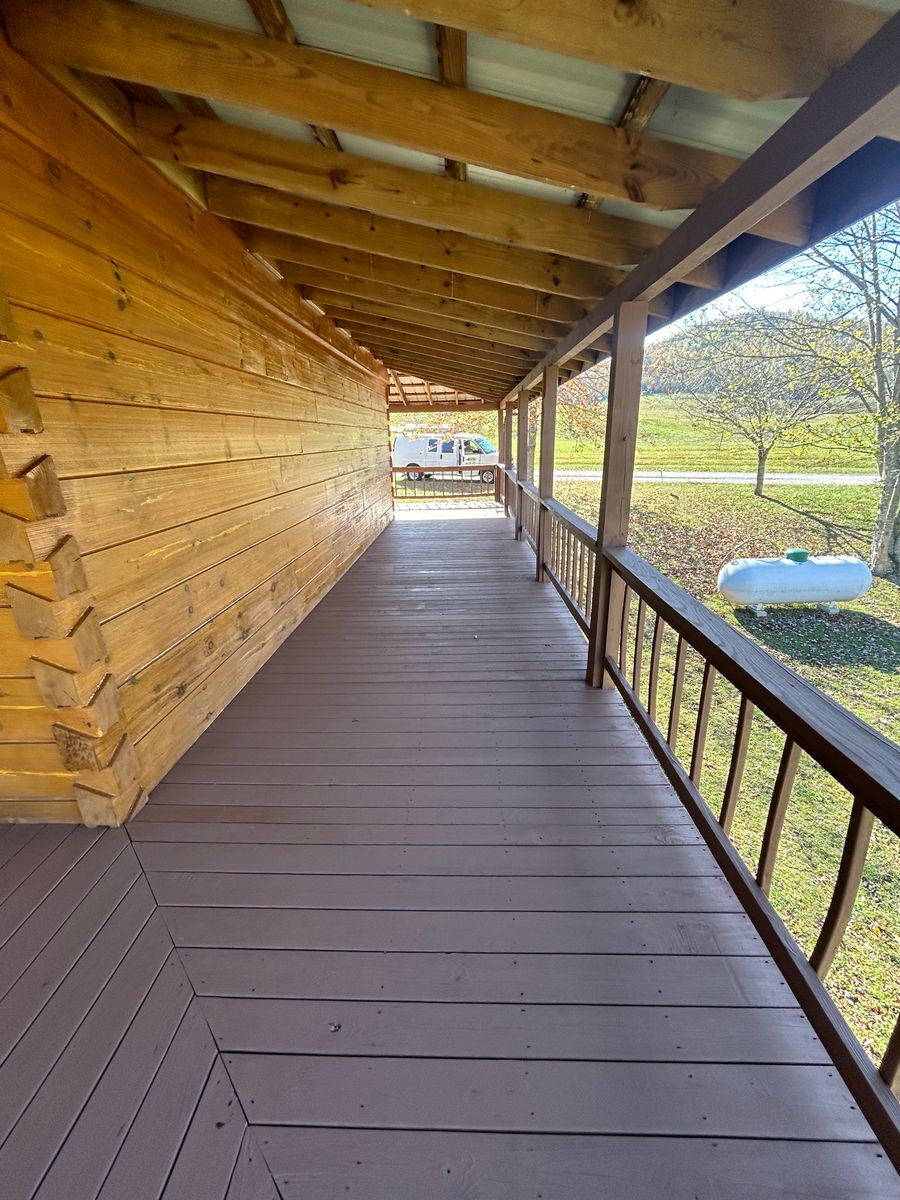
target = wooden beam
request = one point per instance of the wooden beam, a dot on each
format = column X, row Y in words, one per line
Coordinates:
column 626, row 373
column 452, row 56
column 394, row 354
column 450, row 377
column 756, row 49
column 844, row 115
column 409, row 195
column 112, row 37
column 387, row 190
column 386, row 346
column 418, row 303
column 330, row 301
column 371, row 335
column 275, row 211
column 645, row 98
column 428, row 392
column 276, row 24
column 391, row 273
column 427, row 338
column 398, row 385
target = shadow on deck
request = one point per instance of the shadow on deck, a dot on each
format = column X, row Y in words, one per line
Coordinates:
column 417, row 917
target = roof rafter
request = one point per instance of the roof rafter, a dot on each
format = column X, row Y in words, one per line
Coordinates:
column 275, row 23
column 452, row 56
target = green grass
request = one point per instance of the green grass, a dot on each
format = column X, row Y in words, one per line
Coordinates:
column 688, row 532
column 669, row 438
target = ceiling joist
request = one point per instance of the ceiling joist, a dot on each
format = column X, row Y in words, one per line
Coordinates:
column 493, row 269
column 331, row 301
column 436, row 247
column 417, row 303
column 386, row 272
column 426, row 338
column 368, row 333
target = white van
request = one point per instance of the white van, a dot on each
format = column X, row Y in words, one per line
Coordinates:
column 441, row 450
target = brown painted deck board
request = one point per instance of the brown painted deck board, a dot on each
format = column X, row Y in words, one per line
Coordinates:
column 445, row 1166
column 704, row 981
column 614, row 1033
column 672, row 1099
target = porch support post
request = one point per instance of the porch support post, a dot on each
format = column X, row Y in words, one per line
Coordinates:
column 498, row 477
column 506, row 453
column 548, row 450
column 521, row 456
column 626, row 371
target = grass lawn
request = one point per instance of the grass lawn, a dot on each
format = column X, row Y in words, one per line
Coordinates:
column 689, row 531
column 669, row 438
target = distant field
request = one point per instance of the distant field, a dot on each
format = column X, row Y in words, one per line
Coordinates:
column 670, row 439
column 688, row 532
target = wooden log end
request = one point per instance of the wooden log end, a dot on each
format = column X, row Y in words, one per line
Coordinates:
column 18, row 407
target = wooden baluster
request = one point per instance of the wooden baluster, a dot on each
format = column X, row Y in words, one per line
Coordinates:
column 579, row 585
column 781, row 794
column 623, row 633
column 589, row 585
column 640, row 626
column 707, row 689
column 890, row 1063
column 677, row 691
column 655, row 652
column 738, row 762
column 846, row 888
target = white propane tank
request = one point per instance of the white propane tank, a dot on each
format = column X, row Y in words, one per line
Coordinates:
column 796, row 578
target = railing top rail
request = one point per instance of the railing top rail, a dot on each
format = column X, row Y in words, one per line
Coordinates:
column 859, row 758
column 529, row 488
column 582, row 529
column 414, row 468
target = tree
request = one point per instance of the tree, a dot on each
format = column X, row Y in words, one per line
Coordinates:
column 853, row 283
column 733, row 376
column 581, row 413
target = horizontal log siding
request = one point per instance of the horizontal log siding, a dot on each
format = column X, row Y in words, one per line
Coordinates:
column 216, row 451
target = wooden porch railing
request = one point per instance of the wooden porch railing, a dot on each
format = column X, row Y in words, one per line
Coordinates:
column 853, row 754
column 445, row 483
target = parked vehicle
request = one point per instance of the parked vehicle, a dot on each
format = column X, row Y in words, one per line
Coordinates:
column 439, row 450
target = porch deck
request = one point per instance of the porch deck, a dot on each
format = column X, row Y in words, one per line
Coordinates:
column 418, row 916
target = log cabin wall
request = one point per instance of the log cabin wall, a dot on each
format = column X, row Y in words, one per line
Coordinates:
column 190, row 457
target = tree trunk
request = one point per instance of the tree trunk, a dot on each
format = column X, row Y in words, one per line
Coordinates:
column 762, row 453
column 885, row 556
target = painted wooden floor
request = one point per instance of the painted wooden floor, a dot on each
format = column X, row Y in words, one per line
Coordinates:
column 416, row 918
